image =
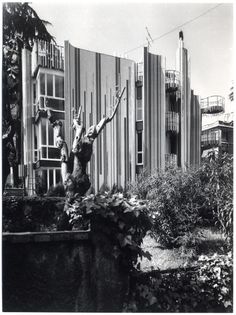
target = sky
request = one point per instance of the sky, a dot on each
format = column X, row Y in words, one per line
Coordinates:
column 117, row 27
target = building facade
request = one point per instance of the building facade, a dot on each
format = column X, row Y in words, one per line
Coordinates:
column 217, row 129
column 150, row 129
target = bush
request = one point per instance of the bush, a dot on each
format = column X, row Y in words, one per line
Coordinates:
column 180, row 200
column 31, row 214
column 208, row 287
column 216, row 175
column 119, row 224
column 173, row 196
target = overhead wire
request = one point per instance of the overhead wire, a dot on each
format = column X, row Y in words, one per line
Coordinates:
column 176, row 28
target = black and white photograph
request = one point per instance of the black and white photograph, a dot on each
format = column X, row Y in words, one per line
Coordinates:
column 117, row 156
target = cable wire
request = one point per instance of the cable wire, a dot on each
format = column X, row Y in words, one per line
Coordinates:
column 176, row 28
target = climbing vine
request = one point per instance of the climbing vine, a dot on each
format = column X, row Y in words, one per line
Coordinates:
column 119, row 224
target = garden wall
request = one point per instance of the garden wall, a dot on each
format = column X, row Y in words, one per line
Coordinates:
column 59, row 272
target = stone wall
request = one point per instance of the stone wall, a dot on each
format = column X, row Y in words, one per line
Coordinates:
column 59, row 272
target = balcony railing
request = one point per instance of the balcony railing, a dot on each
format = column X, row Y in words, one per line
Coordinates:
column 172, row 79
column 171, row 159
column 172, row 122
column 48, row 55
column 213, row 104
column 211, row 139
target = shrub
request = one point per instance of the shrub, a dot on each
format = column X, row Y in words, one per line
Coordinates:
column 216, row 175
column 31, row 214
column 208, row 287
column 182, row 199
column 119, row 224
column 174, row 203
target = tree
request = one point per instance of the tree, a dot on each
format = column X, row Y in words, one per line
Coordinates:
column 21, row 28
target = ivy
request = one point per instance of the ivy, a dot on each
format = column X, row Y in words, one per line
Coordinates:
column 119, row 224
column 206, row 287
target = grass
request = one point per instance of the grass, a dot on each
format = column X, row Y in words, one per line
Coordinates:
column 203, row 241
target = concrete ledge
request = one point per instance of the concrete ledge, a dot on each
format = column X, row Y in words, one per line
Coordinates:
column 26, row 237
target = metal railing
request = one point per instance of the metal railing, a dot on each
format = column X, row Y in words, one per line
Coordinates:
column 211, row 138
column 213, row 104
column 48, row 55
column 172, row 80
column 172, row 122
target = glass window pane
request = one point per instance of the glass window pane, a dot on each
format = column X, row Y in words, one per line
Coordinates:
column 59, row 86
column 53, row 153
column 50, row 134
column 140, row 158
column 44, row 181
column 50, row 178
column 34, row 93
column 49, row 84
column 43, row 131
column 41, row 100
column 140, row 146
column 44, row 153
column 55, row 104
column 42, row 83
column 139, row 92
column 58, row 176
column 139, row 114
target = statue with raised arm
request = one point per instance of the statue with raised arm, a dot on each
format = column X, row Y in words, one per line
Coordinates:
column 75, row 179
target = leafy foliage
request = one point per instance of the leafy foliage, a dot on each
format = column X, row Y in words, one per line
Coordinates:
column 31, row 214
column 180, row 200
column 208, row 287
column 21, row 26
column 119, row 224
column 216, row 175
column 173, row 196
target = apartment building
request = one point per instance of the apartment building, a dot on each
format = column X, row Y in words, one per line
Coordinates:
column 158, row 120
column 217, row 129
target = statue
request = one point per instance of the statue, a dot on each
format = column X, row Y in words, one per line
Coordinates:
column 76, row 182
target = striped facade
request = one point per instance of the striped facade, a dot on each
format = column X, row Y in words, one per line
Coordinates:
column 182, row 65
column 172, row 113
column 158, row 120
column 91, row 81
column 195, row 130
column 154, row 111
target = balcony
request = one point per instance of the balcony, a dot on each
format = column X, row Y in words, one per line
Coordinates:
column 172, row 80
column 172, row 122
column 213, row 104
column 211, row 139
column 47, row 55
column 171, row 159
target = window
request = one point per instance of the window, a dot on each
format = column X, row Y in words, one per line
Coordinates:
column 43, row 131
column 139, row 147
column 59, row 86
column 42, row 83
column 49, row 84
column 47, row 147
column 50, row 177
column 51, row 91
column 139, row 110
column 55, row 104
column 44, row 180
column 50, row 135
column 34, row 93
column 58, row 176
column 139, row 92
